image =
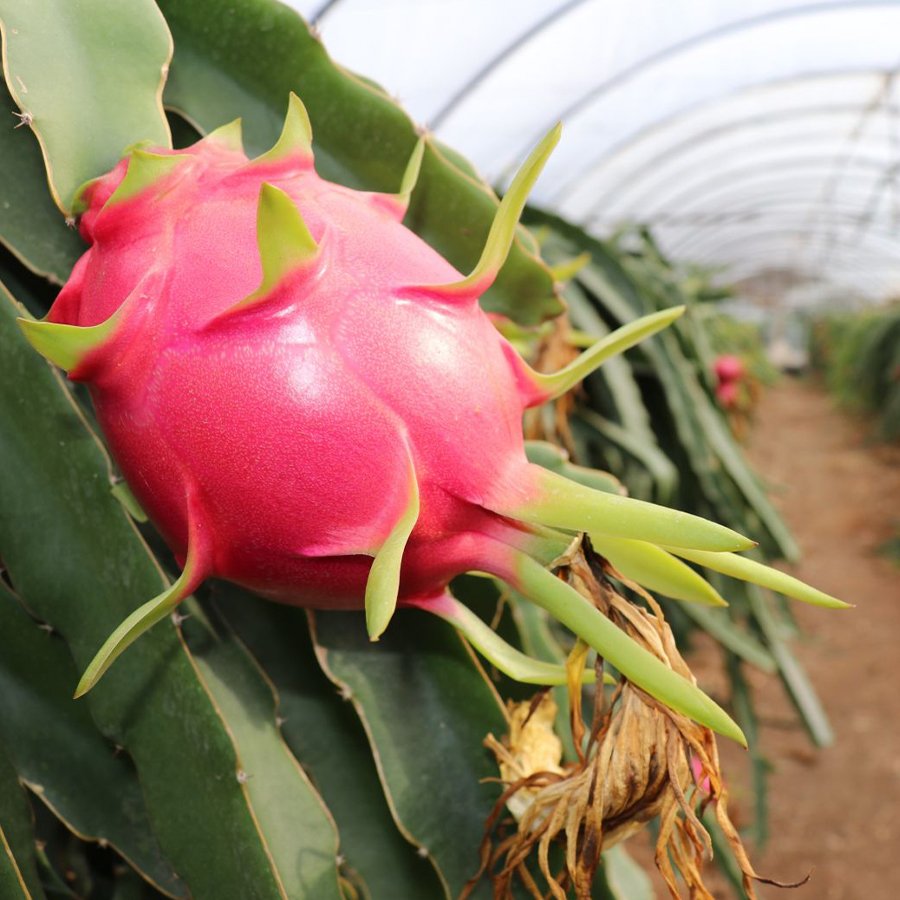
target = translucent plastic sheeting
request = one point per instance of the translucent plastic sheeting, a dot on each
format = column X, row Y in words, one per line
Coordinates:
column 749, row 133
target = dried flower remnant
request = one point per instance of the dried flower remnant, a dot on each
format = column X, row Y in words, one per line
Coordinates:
column 639, row 761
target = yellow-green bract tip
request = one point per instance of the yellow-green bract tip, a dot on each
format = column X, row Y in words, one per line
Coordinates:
column 284, row 240
column 656, row 570
column 557, row 383
column 228, row 137
column 383, row 584
column 556, row 502
column 506, row 220
column 758, row 573
column 66, row 345
column 635, row 662
column 296, row 135
column 145, row 169
column 411, row 173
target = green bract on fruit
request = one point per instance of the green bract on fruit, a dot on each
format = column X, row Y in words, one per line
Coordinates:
column 308, row 400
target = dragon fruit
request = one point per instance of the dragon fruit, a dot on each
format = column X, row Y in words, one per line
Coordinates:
column 308, row 400
column 729, row 368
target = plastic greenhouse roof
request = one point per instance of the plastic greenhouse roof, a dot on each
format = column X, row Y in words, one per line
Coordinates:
column 756, row 134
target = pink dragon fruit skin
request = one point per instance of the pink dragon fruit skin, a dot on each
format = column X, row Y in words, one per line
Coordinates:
column 199, row 402
column 308, row 400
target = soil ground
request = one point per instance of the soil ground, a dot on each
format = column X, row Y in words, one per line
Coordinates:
column 834, row 812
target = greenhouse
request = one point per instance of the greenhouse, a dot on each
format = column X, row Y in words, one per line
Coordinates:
column 449, row 449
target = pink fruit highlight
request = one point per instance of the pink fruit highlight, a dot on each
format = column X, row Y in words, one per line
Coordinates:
column 308, row 400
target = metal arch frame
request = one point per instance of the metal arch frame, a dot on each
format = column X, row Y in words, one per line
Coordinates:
column 767, row 257
column 772, row 85
column 867, row 209
column 862, row 285
column 761, row 259
column 321, row 12
column 775, row 243
column 684, row 246
column 724, row 245
column 843, row 214
column 762, row 255
column 777, row 195
column 876, row 193
column 780, row 250
column 757, row 127
column 496, row 61
column 719, row 241
column 704, row 186
column 698, row 241
column 779, row 190
column 857, row 290
column 870, row 260
column 775, row 254
column 844, row 161
column 778, row 182
column 672, row 50
column 683, row 170
column 750, row 265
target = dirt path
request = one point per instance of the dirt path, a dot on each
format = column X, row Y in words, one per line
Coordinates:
column 835, row 812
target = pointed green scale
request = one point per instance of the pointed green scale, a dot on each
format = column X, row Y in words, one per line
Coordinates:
column 125, row 496
column 67, row 346
column 745, row 569
column 557, row 502
column 296, row 135
column 566, row 271
column 283, row 238
column 620, row 340
column 228, row 137
column 142, row 619
column 503, row 228
column 397, row 204
column 636, row 663
column 656, row 570
column 144, row 170
column 383, row 583
column 285, row 243
column 502, row 655
column 411, row 174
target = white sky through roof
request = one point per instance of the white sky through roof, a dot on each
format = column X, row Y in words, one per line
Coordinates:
column 757, row 134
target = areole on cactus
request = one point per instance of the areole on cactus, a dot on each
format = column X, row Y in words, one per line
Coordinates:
column 308, row 401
